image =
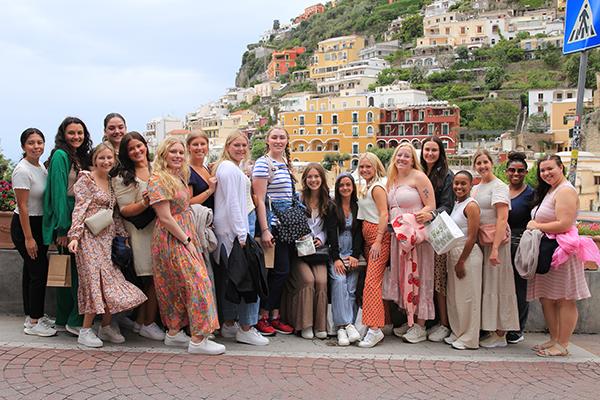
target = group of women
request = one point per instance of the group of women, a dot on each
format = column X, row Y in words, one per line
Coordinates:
column 371, row 254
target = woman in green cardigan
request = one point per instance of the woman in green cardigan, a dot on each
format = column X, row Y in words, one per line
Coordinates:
column 71, row 153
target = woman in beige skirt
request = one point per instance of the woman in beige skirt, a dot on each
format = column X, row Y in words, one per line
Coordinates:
column 499, row 311
column 464, row 264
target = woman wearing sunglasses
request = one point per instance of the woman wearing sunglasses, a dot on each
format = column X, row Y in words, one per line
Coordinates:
column 521, row 202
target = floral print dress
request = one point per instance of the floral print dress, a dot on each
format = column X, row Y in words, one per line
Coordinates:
column 101, row 283
column 183, row 288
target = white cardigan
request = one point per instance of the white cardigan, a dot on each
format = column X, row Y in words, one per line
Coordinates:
column 231, row 205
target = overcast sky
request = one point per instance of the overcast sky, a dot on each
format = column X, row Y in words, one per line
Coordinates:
column 142, row 58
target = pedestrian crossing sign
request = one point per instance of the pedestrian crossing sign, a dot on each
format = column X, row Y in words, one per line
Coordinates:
column 582, row 25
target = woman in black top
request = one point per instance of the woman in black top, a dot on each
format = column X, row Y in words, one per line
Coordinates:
column 521, row 202
column 435, row 164
column 202, row 183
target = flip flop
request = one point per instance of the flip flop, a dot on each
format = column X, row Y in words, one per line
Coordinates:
column 563, row 352
column 543, row 346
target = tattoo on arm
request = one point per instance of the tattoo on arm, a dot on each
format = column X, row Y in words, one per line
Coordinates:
column 426, row 192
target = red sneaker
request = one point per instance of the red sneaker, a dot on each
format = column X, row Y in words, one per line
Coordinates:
column 281, row 327
column 264, row 327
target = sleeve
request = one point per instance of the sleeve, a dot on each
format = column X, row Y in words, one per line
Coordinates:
column 230, row 185
column 501, row 194
column 83, row 199
column 447, row 195
column 357, row 240
column 332, row 233
column 21, row 178
column 156, row 192
column 261, row 168
column 55, row 196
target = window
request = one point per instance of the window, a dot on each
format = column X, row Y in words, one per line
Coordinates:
column 421, row 115
column 336, row 147
column 319, row 147
column 407, row 115
column 540, row 109
column 369, row 116
column 415, row 129
column 334, row 119
column 559, row 96
column 355, row 131
column 301, row 131
column 540, row 96
column 387, row 130
column 354, row 117
column 479, row 29
column 301, row 122
column 596, row 180
column 334, row 131
column 463, row 30
column 569, row 95
column 319, row 119
column 401, row 130
column 394, row 116
column 301, row 147
column 370, row 146
column 355, row 148
column 446, row 113
column 445, row 129
column 430, row 129
column 312, row 107
column 369, row 130
column 319, row 131
column 445, row 142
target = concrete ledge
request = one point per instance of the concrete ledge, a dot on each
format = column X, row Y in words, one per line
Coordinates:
column 11, row 299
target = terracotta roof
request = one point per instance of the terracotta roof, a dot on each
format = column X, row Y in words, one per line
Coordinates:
column 178, row 132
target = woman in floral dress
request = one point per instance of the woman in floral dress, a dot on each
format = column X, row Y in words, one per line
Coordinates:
column 102, row 287
column 182, row 285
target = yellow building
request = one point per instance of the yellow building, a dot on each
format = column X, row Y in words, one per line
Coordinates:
column 562, row 118
column 333, row 53
column 332, row 125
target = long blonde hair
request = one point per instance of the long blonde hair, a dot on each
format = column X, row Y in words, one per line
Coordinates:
column 393, row 170
column 379, row 172
column 170, row 182
column 225, row 156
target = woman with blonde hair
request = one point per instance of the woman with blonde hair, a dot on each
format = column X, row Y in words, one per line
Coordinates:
column 410, row 192
column 499, row 312
column 201, row 182
column 183, row 289
column 102, row 287
column 373, row 211
column 232, row 222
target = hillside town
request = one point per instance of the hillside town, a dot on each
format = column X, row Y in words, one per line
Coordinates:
column 344, row 96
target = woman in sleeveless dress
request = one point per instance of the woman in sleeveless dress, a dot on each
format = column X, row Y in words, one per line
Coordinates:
column 555, row 212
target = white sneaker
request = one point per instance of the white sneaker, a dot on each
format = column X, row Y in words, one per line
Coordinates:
column 401, row 330
column 46, row 320
column 27, row 323
column 229, row 331
column 110, row 334
column 207, row 347
column 439, row 334
column 415, row 334
column 451, row 339
column 152, row 331
column 40, row 329
column 372, row 337
column 73, row 330
column 179, row 340
column 353, row 334
column 342, row 338
column 251, row 336
column 493, row 340
column 307, row 333
column 458, row 345
column 88, row 338
column 321, row 335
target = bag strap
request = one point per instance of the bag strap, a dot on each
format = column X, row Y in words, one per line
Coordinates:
column 111, row 193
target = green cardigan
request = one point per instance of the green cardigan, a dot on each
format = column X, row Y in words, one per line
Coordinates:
column 58, row 206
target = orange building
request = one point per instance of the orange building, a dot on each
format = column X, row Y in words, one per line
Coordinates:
column 283, row 60
column 309, row 12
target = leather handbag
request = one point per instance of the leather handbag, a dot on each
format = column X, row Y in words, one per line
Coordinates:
column 486, row 234
column 103, row 218
column 320, row 256
column 142, row 220
column 547, row 247
column 305, row 246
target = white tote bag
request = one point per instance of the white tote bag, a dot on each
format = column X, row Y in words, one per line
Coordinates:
column 443, row 233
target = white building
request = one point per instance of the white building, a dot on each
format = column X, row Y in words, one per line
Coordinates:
column 438, row 7
column 534, row 22
column 294, row 101
column 157, row 129
column 379, row 50
column 394, row 95
column 540, row 100
column 235, row 96
column 266, row 89
column 355, row 76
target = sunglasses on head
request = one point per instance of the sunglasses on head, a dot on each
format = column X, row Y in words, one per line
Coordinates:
column 517, row 170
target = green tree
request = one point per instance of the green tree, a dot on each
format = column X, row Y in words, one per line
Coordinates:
column 6, row 168
column 330, row 159
column 494, row 77
column 390, row 75
column 412, row 28
column 571, row 68
column 530, row 178
column 258, row 147
column 462, row 52
column 384, row 155
column 538, row 123
column 449, row 92
column 495, row 114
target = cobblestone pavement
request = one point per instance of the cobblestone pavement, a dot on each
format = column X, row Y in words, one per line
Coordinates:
column 290, row 367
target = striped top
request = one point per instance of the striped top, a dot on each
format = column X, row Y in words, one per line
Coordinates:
column 280, row 182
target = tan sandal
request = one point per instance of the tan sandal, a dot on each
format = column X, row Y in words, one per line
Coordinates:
column 543, row 346
column 562, row 351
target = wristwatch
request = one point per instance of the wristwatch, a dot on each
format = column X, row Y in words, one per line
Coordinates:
column 188, row 240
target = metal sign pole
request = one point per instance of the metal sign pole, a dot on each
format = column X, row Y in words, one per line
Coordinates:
column 576, row 141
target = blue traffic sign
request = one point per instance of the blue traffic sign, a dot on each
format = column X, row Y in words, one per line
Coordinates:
column 582, row 25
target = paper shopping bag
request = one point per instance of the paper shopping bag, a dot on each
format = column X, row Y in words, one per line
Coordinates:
column 443, row 233
column 59, row 271
column 269, row 253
